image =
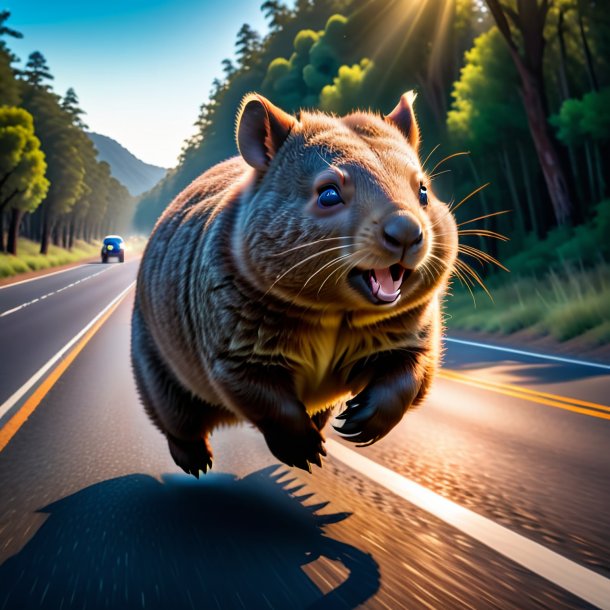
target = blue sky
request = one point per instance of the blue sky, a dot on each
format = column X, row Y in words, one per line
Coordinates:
column 141, row 68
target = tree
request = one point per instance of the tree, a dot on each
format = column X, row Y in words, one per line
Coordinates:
column 69, row 104
column 276, row 12
column 528, row 21
column 248, row 43
column 22, row 168
column 37, row 71
column 9, row 89
column 6, row 31
column 9, row 94
column 488, row 119
column 59, row 141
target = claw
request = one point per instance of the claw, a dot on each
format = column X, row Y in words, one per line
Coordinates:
column 322, row 450
column 317, row 461
column 350, row 427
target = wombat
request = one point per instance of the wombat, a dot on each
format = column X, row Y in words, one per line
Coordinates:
column 306, row 271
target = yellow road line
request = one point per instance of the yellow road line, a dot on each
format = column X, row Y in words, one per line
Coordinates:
column 544, row 398
column 12, row 426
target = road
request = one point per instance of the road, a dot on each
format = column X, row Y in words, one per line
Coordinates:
column 494, row 494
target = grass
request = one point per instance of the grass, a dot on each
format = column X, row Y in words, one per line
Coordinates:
column 29, row 259
column 565, row 303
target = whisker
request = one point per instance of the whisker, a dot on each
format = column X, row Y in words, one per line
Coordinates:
column 457, row 154
column 423, row 165
column 302, row 263
column 323, row 159
column 465, row 282
column 312, row 243
column 348, row 267
column 484, row 233
column 329, row 276
column 466, row 268
column 483, row 217
column 470, row 195
column 335, row 260
column 433, row 176
column 480, row 255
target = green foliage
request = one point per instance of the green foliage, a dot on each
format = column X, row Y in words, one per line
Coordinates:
column 566, row 302
column 315, row 64
column 486, row 104
column 37, row 71
column 29, row 258
column 348, row 89
column 22, row 166
column 9, row 89
column 579, row 119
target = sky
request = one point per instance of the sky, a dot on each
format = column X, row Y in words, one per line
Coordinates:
column 141, row 68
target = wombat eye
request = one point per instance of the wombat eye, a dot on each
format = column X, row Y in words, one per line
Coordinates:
column 423, row 195
column 329, row 196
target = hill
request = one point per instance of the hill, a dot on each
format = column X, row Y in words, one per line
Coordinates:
column 136, row 175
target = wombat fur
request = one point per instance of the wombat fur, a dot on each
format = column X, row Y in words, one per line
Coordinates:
column 306, row 271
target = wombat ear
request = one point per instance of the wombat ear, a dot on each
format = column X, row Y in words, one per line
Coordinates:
column 403, row 117
column 261, row 129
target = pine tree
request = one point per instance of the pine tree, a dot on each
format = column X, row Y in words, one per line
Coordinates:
column 37, row 71
column 69, row 104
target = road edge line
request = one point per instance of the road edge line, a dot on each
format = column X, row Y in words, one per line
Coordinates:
column 43, row 275
column 521, row 352
column 553, row 567
column 76, row 344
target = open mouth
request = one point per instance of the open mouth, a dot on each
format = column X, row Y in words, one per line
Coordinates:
column 381, row 286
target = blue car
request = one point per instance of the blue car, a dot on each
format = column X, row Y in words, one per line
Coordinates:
column 113, row 246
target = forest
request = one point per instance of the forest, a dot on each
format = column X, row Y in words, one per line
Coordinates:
column 52, row 188
column 513, row 101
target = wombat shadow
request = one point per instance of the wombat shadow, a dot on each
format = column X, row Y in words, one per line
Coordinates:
column 221, row 542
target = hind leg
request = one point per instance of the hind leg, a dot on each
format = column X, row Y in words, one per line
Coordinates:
column 185, row 420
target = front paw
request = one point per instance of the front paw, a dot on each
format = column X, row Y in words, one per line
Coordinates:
column 370, row 416
column 191, row 456
column 295, row 440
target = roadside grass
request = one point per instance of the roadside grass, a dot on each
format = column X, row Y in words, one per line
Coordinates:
column 569, row 301
column 29, row 259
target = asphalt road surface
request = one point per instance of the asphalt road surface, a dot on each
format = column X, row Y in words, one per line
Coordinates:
column 494, row 494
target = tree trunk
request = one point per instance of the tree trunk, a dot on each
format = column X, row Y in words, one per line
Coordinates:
column 71, row 234
column 491, row 245
column 55, row 232
column 546, row 147
column 590, row 173
column 510, row 179
column 587, row 51
column 528, row 192
column 45, row 234
column 26, row 225
column 13, row 230
column 2, row 231
column 65, row 237
column 600, row 174
column 528, row 57
column 564, row 84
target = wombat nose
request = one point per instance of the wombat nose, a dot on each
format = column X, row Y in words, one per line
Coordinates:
column 401, row 231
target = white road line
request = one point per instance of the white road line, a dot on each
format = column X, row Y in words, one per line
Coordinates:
column 520, row 352
column 7, row 405
column 49, row 294
column 41, row 277
column 567, row 574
